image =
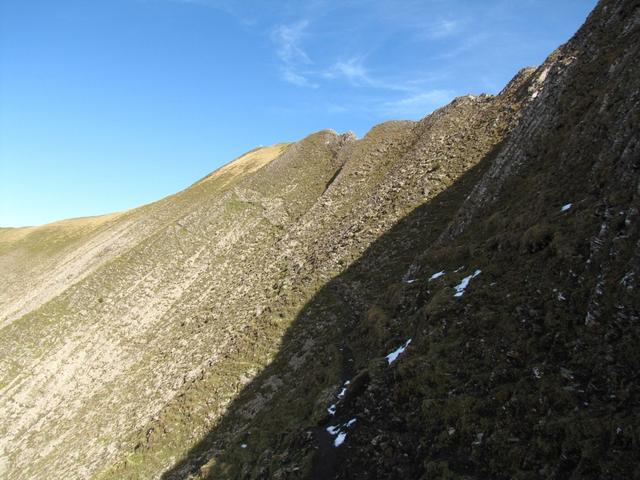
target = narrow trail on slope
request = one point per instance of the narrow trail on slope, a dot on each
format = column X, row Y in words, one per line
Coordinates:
column 324, row 463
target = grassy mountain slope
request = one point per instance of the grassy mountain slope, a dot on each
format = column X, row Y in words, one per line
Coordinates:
column 38, row 263
column 58, row 358
column 396, row 168
column 531, row 372
column 212, row 334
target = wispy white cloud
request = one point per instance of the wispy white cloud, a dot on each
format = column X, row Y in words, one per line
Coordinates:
column 287, row 38
column 291, row 76
column 352, row 70
column 294, row 60
column 418, row 104
column 443, row 28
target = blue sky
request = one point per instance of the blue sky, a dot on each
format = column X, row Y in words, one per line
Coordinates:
column 107, row 105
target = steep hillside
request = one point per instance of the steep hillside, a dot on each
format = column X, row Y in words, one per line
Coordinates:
column 90, row 309
column 449, row 298
column 39, row 263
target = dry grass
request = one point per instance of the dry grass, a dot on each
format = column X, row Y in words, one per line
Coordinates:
column 246, row 164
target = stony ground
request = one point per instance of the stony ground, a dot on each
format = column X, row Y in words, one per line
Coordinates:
column 449, row 298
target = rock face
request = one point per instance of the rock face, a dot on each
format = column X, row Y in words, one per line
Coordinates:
column 450, row 298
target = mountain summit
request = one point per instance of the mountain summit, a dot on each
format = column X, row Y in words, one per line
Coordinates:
column 450, row 298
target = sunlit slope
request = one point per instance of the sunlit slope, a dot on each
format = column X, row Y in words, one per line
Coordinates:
column 92, row 287
column 37, row 263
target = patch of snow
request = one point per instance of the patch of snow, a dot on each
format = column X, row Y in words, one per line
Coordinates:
column 460, row 288
column 332, row 409
column 347, row 382
column 409, row 277
column 534, row 95
column 436, row 275
column 537, row 373
column 342, row 392
column 338, row 431
column 340, row 439
column 244, row 445
column 394, row 355
column 566, row 207
column 561, row 297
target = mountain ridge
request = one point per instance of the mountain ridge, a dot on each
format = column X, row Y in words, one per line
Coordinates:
column 471, row 275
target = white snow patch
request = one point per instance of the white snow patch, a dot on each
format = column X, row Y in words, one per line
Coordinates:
column 394, row 355
column 340, row 439
column 534, row 95
column 436, row 275
column 342, row 392
column 566, row 207
column 561, row 297
column 332, row 409
column 460, row 288
column 338, row 430
column 244, row 445
column 409, row 277
column 537, row 373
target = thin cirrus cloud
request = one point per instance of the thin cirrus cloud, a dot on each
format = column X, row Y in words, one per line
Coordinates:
column 386, row 58
column 352, row 70
column 441, row 29
column 298, row 69
column 382, row 89
column 294, row 61
column 418, row 103
column 411, row 105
